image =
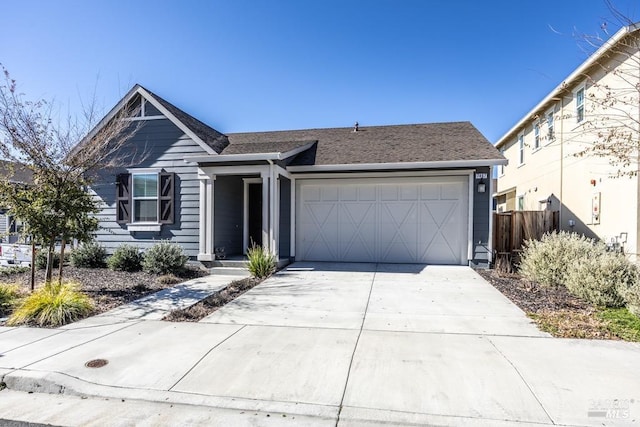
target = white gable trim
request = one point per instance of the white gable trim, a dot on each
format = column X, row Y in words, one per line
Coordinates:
column 137, row 89
column 175, row 120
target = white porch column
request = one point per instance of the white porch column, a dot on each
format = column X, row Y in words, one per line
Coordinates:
column 292, row 251
column 276, row 214
column 265, row 210
column 206, row 235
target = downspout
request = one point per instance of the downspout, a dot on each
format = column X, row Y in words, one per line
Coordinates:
column 272, row 207
column 560, row 214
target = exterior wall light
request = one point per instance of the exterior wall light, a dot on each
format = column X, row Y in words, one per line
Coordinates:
column 482, row 187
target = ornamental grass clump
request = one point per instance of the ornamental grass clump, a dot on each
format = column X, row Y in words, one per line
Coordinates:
column 54, row 304
column 164, row 258
column 262, row 263
column 9, row 296
column 126, row 258
column 547, row 261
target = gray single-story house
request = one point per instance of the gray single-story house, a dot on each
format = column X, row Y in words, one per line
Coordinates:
column 399, row 194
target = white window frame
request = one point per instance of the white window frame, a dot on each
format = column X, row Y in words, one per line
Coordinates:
column 520, row 149
column 579, row 89
column 501, row 167
column 519, row 198
column 134, row 198
column 536, row 136
column 551, row 126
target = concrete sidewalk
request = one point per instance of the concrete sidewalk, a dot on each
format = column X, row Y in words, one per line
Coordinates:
column 324, row 344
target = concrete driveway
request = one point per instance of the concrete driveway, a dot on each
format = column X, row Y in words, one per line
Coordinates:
column 346, row 344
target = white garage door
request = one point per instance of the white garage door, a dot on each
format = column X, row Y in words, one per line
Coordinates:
column 412, row 220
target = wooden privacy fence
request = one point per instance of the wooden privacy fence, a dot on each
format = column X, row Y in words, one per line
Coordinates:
column 511, row 229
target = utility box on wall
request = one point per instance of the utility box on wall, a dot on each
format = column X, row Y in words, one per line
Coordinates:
column 595, row 208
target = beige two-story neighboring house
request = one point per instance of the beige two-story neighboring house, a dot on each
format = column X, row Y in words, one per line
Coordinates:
column 558, row 156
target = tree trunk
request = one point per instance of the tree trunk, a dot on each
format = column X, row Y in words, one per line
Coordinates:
column 64, row 243
column 33, row 265
column 49, row 272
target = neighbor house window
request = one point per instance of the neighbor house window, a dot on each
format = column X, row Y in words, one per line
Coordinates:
column 550, row 134
column 536, row 136
column 520, row 203
column 501, row 167
column 145, row 197
column 580, row 105
column 521, row 148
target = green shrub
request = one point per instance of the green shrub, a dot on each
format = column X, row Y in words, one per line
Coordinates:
column 548, row 261
column 600, row 278
column 9, row 296
column 55, row 304
column 89, row 255
column 262, row 263
column 631, row 296
column 41, row 259
column 125, row 258
column 164, row 258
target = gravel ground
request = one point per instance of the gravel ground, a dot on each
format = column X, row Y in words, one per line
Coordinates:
column 530, row 296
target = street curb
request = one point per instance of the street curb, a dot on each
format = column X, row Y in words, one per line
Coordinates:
column 32, row 381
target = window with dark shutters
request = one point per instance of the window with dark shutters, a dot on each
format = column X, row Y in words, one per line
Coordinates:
column 123, row 198
column 166, row 204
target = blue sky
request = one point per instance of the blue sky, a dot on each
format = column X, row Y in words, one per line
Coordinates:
column 250, row 65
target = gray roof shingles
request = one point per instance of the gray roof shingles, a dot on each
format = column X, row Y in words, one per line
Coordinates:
column 455, row 141
column 429, row 142
column 214, row 139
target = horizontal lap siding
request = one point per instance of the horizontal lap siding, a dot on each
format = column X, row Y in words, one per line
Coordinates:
column 164, row 146
column 481, row 202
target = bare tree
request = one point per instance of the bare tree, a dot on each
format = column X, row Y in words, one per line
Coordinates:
column 611, row 129
column 64, row 157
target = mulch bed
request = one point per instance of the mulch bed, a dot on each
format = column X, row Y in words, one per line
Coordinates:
column 552, row 308
column 530, row 296
column 108, row 289
column 210, row 304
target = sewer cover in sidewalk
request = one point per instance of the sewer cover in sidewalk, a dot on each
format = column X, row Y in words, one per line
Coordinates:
column 96, row 363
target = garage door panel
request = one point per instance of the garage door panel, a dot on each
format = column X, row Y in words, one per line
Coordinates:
column 357, row 231
column 374, row 220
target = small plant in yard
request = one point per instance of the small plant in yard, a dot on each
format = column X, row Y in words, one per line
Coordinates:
column 169, row 279
column 89, row 255
column 164, row 258
column 9, row 296
column 11, row 270
column 262, row 263
column 548, row 260
column 126, row 258
column 54, row 304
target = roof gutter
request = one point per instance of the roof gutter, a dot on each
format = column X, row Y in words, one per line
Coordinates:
column 445, row 164
column 619, row 35
column 247, row 157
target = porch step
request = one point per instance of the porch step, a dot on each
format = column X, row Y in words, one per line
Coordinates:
column 229, row 271
column 237, row 263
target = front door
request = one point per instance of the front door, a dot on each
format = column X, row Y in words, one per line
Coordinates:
column 255, row 214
